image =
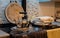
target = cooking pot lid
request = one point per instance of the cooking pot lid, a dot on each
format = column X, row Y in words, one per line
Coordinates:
column 12, row 12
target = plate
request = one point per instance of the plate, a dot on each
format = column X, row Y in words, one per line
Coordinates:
column 12, row 12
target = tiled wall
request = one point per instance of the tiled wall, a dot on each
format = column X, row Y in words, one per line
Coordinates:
column 3, row 4
column 33, row 9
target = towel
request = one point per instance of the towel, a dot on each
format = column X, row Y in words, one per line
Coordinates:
column 53, row 33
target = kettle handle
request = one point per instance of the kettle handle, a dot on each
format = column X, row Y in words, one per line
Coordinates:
column 13, row 1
